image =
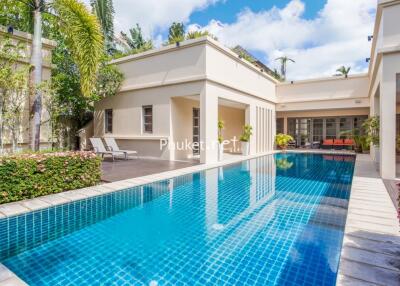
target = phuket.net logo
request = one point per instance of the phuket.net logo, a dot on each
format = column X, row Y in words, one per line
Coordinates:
column 187, row 145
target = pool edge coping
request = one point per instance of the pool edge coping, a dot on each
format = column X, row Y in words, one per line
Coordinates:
column 7, row 277
column 372, row 218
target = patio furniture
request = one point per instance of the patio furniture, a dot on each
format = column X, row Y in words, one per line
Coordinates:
column 99, row 148
column 327, row 144
column 113, row 146
column 292, row 144
column 315, row 145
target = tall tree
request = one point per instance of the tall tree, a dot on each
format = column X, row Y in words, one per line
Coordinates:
column 284, row 60
column 104, row 10
column 343, row 71
column 176, row 33
column 83, row 38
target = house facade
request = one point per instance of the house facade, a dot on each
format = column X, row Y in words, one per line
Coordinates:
column 176, row 95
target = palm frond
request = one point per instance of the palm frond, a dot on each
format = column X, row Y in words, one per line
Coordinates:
column 104, row 10
column 84, row 39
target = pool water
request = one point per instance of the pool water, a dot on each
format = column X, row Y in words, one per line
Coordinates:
column 274, row 220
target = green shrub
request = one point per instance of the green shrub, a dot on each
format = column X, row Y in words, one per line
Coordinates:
column 30, row 175
column 282, row 140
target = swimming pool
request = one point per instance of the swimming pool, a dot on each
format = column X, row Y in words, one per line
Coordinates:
column 273, row 220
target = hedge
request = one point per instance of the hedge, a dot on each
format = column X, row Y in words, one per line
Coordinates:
column 26, row 176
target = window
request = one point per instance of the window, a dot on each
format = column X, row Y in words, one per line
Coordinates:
column 279, row 125
column 331, row 128
column 318, row 129
column 108, row 121
column 148, row 119
column 196, row 131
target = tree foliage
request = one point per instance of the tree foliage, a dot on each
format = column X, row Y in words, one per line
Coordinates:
column 13, row 89
column 83, row 38
column 343, row 71
column 133, row 42
column 176, row 33
column 104, row 10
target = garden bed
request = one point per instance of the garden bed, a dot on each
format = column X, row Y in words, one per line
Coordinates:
column 30, row 175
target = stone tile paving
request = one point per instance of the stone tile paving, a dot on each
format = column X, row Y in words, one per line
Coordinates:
column 371, row 245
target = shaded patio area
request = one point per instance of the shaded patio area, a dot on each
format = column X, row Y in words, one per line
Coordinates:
column 127, row 169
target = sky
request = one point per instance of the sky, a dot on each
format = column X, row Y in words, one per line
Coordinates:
column 320, row 35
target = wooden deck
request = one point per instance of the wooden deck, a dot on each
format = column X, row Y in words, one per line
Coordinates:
column 128, row 169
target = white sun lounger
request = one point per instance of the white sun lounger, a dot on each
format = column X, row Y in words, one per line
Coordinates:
column 99, row 148
column 113, row 146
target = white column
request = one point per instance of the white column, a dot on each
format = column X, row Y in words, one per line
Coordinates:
column 388, row 117
column 208, row 126
column 274, row 128
column 251, row 119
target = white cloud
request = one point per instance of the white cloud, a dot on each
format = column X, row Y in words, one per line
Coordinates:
column 337, row 36
column 155, row 15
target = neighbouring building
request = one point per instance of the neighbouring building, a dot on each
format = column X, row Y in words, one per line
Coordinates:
column 177, row 93
column 45, row 133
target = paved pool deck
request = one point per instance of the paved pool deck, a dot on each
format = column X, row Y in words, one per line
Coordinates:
column 371, row 245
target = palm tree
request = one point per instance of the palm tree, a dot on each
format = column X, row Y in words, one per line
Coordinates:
column 104, row 10
column 84, row 41
column 134, row 42
column 284, row 60
column 176, row 33
column 343, row 71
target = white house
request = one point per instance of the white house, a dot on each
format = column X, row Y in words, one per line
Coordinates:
column 177, row 93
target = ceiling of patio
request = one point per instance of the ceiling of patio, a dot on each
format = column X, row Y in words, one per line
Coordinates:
column 222, row 101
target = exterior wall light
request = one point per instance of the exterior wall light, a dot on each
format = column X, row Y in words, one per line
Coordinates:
column 368, row 60
column 370, row 38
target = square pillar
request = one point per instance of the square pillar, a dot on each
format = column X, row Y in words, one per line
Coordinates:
column 388, row 117
column 251, row 119
column 208, row 126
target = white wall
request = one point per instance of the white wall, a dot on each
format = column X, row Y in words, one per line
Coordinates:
column 226, row 68
column 168, row 65
column 328, row 93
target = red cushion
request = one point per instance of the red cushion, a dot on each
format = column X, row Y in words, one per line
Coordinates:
column 338, row 142
column 328, row 142
column 348, row 141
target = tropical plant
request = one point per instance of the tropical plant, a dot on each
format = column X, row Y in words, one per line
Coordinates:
column 284, row 60
column 83, row 38
column 282, row 140
column 199, row 34
column 343, row 71
column 246, row 57
column 371, row 127
column 176, row 33
column 276, row 75
column 134, row 42
column 221, row 126
column 247, row 133
column 104, row 10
